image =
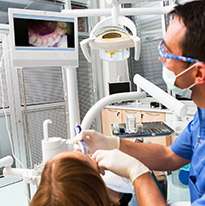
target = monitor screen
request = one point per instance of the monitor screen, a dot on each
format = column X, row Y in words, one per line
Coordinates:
column 118, row 87
column 41, row 38
column 43, row 34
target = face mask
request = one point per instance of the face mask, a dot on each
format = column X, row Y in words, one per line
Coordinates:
column 170, row 78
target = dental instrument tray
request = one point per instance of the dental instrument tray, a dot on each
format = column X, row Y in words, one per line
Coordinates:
column 144, row 129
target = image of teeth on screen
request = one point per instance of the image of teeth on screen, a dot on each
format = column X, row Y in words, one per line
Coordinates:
column 43, row 33
column 47, row 34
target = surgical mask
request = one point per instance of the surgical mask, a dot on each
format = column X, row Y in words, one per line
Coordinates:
column 170, row 78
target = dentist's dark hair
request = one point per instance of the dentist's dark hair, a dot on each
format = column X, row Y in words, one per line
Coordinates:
column 193, row 16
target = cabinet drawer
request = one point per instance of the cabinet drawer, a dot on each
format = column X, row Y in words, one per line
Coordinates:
column 110, row 116
column 163, row 140
column 152, row 116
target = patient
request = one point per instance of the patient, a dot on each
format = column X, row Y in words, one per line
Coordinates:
column 71, row 178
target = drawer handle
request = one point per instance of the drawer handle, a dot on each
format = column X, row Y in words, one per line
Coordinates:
column 131, row 112
column 113, row 110
column 152, row 114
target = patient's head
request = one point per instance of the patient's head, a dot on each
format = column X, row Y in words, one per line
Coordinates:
column 71, row 179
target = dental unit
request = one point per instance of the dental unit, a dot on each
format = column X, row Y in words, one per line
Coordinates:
column 113, row 41
column 54, row 145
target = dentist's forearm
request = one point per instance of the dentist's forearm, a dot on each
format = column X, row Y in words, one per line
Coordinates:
column 147, row 191
column 154, row 156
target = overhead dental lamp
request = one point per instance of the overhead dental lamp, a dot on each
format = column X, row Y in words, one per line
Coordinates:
column 112, row 41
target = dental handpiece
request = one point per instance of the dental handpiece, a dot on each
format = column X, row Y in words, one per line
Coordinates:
column 81, row 143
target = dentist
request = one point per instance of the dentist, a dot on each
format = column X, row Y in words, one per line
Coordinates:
column 182, row 53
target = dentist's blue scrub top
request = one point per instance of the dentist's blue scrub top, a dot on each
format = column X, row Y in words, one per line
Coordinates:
column 190, row 144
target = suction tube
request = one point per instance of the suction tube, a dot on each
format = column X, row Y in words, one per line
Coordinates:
column 96, row 108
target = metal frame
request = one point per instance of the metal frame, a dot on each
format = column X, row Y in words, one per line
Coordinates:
column 15, row 107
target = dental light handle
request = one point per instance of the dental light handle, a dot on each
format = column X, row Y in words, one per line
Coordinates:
column 137, row 46
column 84, row 46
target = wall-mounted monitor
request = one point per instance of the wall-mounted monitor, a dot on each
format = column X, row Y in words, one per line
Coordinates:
column 43, row 38
column 118, row 87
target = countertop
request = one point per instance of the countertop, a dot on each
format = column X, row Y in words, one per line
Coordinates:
column 144, row 105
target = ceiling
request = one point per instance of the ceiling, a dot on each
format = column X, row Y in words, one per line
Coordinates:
column 47, row 5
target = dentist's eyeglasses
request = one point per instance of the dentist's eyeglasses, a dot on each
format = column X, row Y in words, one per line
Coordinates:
column 166, row 55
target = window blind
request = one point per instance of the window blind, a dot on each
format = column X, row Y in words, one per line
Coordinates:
column 3, row 76
column 85, row 83
column 149, row 29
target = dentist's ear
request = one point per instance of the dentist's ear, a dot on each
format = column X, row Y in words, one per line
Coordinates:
column 200, row 76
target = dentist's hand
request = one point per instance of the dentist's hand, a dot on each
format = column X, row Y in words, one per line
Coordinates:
column 119, row 163
column 95, row 140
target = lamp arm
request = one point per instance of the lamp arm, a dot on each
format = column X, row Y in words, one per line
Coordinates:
column 98, row 106
column 170, row 102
